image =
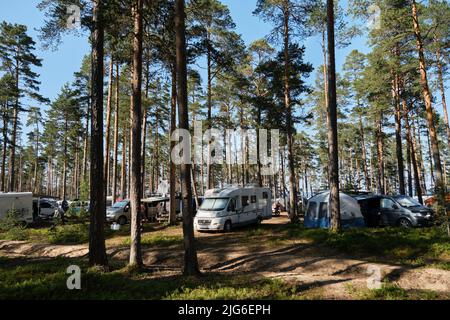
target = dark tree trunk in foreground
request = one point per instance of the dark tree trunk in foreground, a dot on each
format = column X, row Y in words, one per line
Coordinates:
column 332, row 130
column 190, row 251
column 136, row 121
column 97, row 249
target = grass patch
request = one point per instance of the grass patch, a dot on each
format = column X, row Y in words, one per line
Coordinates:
column 392, row 292
column 46, row 279
column 158, row 240
column 414, row 245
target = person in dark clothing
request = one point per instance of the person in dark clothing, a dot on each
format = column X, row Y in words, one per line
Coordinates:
column 64, row 207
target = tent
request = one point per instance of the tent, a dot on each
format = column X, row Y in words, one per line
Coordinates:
column 318, row 214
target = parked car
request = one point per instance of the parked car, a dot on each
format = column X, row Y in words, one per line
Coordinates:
column 48, row 209
column 119, row 212
column 75, row 207
column 401, row 211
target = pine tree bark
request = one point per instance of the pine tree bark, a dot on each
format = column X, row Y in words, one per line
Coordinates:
column 439, row 186
column 4, row 150
column 289, row 124
column 108, row 127
column 332, row 130
column 13, row 140
column 398, row 135
column 116, row 135
column 209, row 166
column 136, row 120
column 190, row 251
column 412, row 149
column 97, row 248
column 364, row 154
column 380, row 154
column 123, row 169
column 172, row 167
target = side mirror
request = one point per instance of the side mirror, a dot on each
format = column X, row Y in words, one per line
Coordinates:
column 394, row 206
column 126, row 209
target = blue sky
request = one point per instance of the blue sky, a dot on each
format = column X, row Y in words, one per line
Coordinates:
column 59, row 66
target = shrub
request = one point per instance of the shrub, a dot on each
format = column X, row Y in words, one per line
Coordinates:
column 69, row 234
column 10, row 220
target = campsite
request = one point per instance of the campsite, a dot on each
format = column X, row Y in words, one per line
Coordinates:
column 224, row 150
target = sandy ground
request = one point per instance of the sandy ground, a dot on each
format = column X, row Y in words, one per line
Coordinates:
column 313, row 267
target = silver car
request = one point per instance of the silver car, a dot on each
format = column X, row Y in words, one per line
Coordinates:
column 48, row 209
column 119, row 212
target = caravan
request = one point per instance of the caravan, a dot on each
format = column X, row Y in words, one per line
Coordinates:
column 21, row 202
column 223, row 209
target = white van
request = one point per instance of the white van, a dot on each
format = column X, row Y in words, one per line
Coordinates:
column 223, row 209
column 22, row 202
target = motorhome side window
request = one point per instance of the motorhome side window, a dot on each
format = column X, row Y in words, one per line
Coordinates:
column 244, row 201
column 312, row 209
column 232, row 205
column 265, row 195
column 323, row 209
column 253, row 199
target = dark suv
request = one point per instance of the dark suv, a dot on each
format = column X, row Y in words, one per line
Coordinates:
column 400, row 211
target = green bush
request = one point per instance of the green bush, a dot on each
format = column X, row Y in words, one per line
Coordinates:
column 17, row 233
column 10, row 220
column 69, row 234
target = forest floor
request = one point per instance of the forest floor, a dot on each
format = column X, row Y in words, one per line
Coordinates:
column 276, row 260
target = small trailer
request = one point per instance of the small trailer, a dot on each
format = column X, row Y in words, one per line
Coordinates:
column 21, row 202
column 226, row 208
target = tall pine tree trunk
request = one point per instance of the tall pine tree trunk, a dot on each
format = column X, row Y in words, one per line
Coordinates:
column 4, row 150
column 380, row 155
column 412, row 149
column 116, row 136
column 398, row 134
column 172, row 167
column 440, row 187
column 97, row 248
column 136, row 120
column 123, row 169
column 289, row 124
column 332, row 130
column 190, row 251
column 108, row 127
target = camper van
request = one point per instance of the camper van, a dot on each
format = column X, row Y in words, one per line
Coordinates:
column 226, row 208
column 21, row 202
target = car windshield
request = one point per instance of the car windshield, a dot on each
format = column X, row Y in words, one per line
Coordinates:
column 120, row 204
column 407, row 202
column 214, row 204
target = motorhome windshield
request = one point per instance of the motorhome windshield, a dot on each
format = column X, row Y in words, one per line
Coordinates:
column 214, row 204
column 407, row 202
column 120, row 204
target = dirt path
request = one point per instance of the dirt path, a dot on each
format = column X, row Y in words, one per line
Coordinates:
column 315, row 268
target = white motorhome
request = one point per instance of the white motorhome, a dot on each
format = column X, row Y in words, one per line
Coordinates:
column 223, row 209
column 22, row 202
